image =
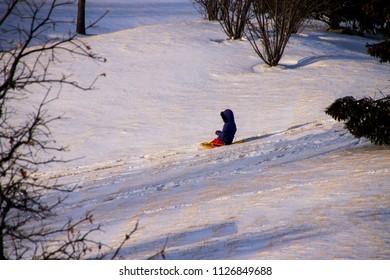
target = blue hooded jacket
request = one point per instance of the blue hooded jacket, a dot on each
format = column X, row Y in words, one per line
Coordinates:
column 229, row 128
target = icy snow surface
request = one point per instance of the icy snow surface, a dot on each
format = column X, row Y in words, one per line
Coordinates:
column 301, row 187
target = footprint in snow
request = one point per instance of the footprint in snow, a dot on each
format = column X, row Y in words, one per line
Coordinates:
column 167, row 186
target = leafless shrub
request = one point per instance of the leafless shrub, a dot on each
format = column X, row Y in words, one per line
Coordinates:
column 208, row 8
column 234, row 16
column 272, row 24
column 26, row 142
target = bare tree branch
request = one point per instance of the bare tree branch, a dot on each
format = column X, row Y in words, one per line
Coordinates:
column 28, row 228
column 234, row 16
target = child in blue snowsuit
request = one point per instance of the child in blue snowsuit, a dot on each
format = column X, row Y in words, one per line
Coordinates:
column 226, row 136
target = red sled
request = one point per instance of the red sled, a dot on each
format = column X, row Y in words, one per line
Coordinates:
column 217, row 143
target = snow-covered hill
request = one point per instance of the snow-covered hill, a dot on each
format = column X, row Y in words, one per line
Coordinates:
column 309, row 192
column 300, row 187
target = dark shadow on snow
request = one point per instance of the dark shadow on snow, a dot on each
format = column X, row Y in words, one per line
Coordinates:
column 254, row 138
column 219, row 241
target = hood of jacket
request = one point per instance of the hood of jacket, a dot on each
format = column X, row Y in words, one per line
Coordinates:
column 227, row 116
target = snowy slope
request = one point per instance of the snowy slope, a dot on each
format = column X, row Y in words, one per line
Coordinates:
column 310, row 192
column 166, row 84
column 301, row 187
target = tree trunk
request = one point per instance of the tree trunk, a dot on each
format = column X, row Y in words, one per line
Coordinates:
column 2, row 254
column 81, row 18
